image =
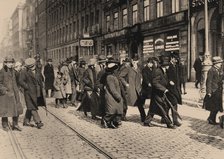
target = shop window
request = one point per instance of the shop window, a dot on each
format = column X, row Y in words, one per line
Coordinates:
column 159, row 7
column 115, row 20
column 125, row 17
column 146, row 10
column 175, row 6
column 134, row 14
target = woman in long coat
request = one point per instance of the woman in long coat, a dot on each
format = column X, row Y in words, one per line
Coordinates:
column 214, row 90
column 113, row 97
column 49, row 77
column 9, row 95
column 31, row 80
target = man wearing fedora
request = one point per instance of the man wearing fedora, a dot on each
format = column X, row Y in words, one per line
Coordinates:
column 9, row 95
column 214, row 90
column 31, row 80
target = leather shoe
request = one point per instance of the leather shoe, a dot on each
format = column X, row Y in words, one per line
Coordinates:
column 39, row 125
column 111, row 125
column 177, row 123
column 104, row 124
column 147, row 124
column 16, row 127
column 171, row 126
column 210, row 121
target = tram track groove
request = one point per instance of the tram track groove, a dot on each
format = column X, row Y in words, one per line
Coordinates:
column 83, row 137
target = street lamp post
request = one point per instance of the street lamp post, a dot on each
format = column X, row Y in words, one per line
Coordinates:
column 206, row 64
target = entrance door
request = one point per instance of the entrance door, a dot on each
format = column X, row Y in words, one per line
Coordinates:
column 201, row 41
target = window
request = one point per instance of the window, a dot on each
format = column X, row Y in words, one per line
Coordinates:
column 146, row 10
column 115, row 20
column 108, row 22
column 159, row 6
column 134, row 14
column 97, row 17
column 175, row 6
column 125, row 18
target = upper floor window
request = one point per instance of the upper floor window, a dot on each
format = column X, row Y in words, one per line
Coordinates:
column 175, row 6
column 159, row 7
column 125, row 17
column 134, row 14
column 146, row 10
column 108, row 22
column 115, row 20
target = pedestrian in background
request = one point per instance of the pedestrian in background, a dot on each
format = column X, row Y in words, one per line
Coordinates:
column 49, row 77
column 32, row 80
column 198, row 69
column 183, row 75
column 59, row 88
column 214, row 90
column 9, row 95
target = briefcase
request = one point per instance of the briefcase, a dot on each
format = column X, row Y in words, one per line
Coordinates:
column 221, row 121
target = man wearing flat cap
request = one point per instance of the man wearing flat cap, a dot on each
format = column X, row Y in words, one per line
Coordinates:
column 31, row 80
column 9, row 95
column 214, row 90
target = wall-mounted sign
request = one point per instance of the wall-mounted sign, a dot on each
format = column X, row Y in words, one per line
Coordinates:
column 172, row 41
column 199, row 4
column 159, row 44
column 86, row 42
column 148, row 45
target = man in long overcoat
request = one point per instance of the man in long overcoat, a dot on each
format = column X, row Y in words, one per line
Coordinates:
column 49, row 77
column 198, row 69
column 174, row 85
column 158, row 103
column 31, row 80
column 214, row 90
column 9, row 95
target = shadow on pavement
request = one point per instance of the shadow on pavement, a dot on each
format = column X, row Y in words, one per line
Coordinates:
column 211, row 135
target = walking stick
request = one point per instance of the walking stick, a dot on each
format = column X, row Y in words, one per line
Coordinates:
column 172, row 107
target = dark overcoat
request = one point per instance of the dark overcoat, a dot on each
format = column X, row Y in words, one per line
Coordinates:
column 49, row 76
column 214, row 86
column 10, row 105
column 174, row 90
column 113, row 95
column 159, row 85
column 90, row 92
column 33, row 88
column 183, row 73
column 198, row 68
column 147, row 79
column 134, row 79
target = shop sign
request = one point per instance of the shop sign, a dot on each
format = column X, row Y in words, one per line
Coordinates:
column 86, row 42
column 159, row 44
column 172, row 42
column 148, row 45
column 198, row 4
column 115, row 34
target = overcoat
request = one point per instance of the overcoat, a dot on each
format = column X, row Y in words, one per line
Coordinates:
column 80, row 73
column 67, row 79
column 159, row 85
column 33, row 88
column 174, row 90
column 9, row 94
column 147, row 80
column 113, row 95
column 59, row 89
column 198, row 68
column 49, row 76
column 135, row 78
column 214, row 86
column 183, row 73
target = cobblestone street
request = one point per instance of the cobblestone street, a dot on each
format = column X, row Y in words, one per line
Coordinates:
column 194, row 139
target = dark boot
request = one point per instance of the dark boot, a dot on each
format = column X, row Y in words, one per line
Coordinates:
column 39, row 125
column 15, row 125
column 212, row 118
column 5, row 125
column 175, row 120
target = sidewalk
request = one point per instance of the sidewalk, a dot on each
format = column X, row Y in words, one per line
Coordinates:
column 192, row 98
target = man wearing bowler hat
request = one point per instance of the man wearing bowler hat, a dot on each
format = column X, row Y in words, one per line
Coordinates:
column 31, row 80
column 9, row 95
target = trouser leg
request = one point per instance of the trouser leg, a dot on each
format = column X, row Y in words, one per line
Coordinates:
column 27, row 116
column 36, row 116
column 140, row 103
column 174, row 116
column 73, row 96
column 15, row 120
column 213, row 115
column 4, row 122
